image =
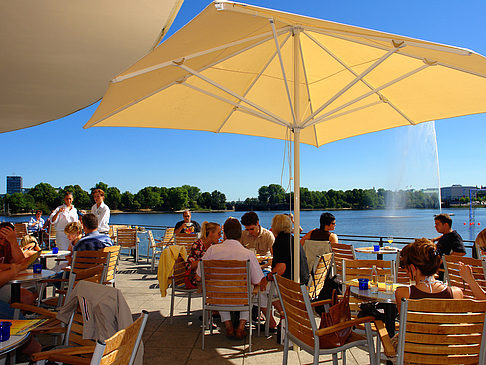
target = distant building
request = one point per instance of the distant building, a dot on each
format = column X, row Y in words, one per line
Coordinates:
column 14, row 184
column 453, row 193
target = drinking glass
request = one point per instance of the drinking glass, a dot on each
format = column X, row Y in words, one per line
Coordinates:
column 389, row 280
column 390, row 241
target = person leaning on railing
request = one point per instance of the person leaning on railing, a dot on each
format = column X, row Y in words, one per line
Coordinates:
column 323, row 233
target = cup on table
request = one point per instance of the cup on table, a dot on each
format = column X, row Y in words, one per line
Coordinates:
column 376, row 248
column 37, row 268
column 5, row 330
column 389, row 280
column 55, row 250
column 363, row 284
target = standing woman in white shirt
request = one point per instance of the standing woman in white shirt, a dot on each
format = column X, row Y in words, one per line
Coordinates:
column 60, row 217
column 101, row 211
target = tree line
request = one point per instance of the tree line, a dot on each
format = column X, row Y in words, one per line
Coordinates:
column 272, row 197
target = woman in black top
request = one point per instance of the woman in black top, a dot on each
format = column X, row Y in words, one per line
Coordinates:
column 323, row 233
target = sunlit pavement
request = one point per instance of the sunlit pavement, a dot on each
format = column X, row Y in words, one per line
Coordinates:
column 180, row 343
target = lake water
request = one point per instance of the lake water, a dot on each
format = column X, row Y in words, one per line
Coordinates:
column 396, row 223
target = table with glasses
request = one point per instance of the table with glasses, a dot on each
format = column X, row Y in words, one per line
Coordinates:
column 26, row 276
column 386, row 250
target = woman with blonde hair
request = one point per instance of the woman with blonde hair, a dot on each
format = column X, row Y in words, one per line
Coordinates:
column 210, row 234
column 422, row 261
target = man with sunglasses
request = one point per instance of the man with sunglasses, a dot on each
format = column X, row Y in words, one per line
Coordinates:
column 187, row 225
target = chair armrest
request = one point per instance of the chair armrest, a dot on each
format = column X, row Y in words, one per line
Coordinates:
column 77, row 350
column 54, row 280
column 388, row 347
column 343, row 325
column 325, row 301
column 31, row 308
column 42, row 330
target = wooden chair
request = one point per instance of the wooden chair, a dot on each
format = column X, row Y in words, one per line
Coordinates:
column 226, row 286
column 21, row 230
column 127, row 238
column 314, row 249
column 52, row 234
column 451, row 266
column 178, row 286
column 81, row 260
column 341, row 251
column 438, row 331
column 119, row 349
column 159, row 245
column 111, row 263
column 319, row 273
column 301, row 327
column 401, row 275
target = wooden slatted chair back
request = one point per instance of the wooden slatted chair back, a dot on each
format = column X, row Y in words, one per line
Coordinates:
column 178, row 275
column 354, row 269
column 319, row 273
column 451, row 266
column 52, row 232
column 341, row 251
column 121, row 348
column 126, row 237
column 114, row 230
column 168, row 238
column 20, row 230
column 95, row 274
column 111, row 263
column 226, row 282
column 296, row 312
column 87, row 259
column 185, row 238
column 442, row 331
column 74, row 333
column 401, row 275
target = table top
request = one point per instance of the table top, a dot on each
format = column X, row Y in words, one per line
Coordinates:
column 383, row 251
column 13, row 343
column 28, row 275
column 50, row 254
column 380, row 296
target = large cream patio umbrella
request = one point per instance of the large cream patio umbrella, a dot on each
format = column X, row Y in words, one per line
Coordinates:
column 242, row 69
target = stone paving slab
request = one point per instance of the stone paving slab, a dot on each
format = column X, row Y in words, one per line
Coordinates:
column 180, row 342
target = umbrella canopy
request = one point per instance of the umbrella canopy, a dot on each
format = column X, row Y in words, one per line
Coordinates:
column 57, row 56
column 242, row 69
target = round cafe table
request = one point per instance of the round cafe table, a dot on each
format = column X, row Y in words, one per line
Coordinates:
column 26, row 276
column 382, row 251
column 48, row 254
column 14, row 342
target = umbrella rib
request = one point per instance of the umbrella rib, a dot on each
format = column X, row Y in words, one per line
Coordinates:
column 465, row 53
column 328, row 51
column 267, row 36
column 274, row 31
column 252, row 84
column 353, row 82
column 217, row 85
column 240, row 107
column 408, row 74
column 308, row 90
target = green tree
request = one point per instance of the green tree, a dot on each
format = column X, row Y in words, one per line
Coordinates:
column 101, row 185
column 204, row 200
column 178, row 198
column 149, row 197
column 45, row 196
column 81, row 198
column 113, row 198
column 193, row 194
column 218, row 200
column 19, row 202
column 128, row 202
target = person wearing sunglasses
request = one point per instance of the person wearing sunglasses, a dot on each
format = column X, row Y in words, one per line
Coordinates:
column 187, row 225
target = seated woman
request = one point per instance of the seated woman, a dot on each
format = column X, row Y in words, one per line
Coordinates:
column 283, row 260
column 74, row 232
column 29, row 246
column 422, row 261
column 466, row 272
column 210, row 234
column 323, row 233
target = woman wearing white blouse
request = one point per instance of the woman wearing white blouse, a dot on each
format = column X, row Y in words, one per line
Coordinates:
column 60, row 217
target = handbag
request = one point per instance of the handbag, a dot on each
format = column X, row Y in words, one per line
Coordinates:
column 338, row 312
column 331, row 284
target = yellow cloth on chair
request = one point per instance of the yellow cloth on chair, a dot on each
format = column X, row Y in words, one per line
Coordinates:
column 167, row 260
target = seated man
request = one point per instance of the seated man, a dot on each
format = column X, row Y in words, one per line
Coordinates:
column 93, row 240
column 187, row 225
column 255, row 236
column 36, row 226
column 450, row 242
column 231, row 249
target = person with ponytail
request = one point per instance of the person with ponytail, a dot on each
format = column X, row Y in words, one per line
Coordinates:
column 422, row 261
column 210, row 234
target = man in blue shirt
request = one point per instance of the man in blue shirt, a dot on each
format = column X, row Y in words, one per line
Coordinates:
column 93, row 240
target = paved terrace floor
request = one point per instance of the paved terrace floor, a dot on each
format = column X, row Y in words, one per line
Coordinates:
column 180, row 343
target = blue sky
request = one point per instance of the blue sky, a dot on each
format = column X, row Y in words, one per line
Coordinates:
column 132, row 158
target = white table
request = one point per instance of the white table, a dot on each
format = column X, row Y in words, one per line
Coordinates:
column 48, row 254
column 12, row 344
column 382, row 251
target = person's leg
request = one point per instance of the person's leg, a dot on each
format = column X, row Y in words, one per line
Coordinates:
column 226, row 319
column 27, row 297
column 240, row 332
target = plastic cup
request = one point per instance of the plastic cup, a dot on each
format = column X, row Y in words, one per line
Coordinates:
column 55, row 250
column 363, row 284
column 376, row 248
column 37, row 268
column 5, row 330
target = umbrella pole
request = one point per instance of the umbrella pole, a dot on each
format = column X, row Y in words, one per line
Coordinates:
column 296, row 129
